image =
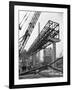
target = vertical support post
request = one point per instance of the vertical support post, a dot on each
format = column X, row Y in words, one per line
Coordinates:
column 54, row 55
column 34, row 55
column 54, row 52
column 39, row 37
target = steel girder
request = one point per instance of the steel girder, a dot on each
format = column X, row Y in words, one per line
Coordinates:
column 50, row 30
column 23, row 40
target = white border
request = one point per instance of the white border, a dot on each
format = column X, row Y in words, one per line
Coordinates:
column 16, row 68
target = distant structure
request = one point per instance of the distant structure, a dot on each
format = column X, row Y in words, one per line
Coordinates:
column 48, row 55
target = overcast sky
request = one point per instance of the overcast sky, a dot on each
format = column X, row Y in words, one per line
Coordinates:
column 44, row 17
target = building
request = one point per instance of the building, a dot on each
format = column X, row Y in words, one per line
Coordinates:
column 48, row 55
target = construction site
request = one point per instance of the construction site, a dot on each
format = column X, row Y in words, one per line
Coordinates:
column 40, row 59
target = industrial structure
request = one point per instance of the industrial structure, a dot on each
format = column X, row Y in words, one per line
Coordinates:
column 23, row 40
column 48, row 35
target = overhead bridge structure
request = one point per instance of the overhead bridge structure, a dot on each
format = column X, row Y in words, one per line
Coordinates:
column 48, row 35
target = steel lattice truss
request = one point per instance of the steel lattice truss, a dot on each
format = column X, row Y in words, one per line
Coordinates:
column 23, row 40
column 48, row 35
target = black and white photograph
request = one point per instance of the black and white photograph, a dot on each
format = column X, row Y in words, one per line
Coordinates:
column 40, row 44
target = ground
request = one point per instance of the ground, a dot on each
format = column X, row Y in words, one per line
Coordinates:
column 44, row 73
